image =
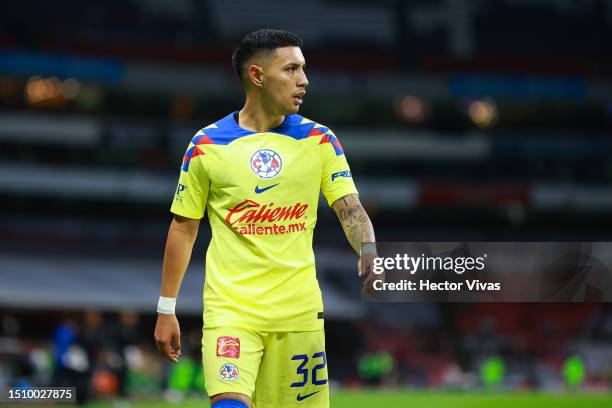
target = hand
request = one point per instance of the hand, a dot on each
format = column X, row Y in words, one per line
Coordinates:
column 168, row 337
column 364, row 271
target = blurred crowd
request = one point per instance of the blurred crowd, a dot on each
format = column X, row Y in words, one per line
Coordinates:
column 501, row 346
column 549, row 347
column 102, row 355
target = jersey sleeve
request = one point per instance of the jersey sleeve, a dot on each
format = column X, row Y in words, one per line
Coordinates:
column 336, row 177
column 191, row 192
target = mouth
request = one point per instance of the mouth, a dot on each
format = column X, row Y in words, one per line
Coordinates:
column 299, row 97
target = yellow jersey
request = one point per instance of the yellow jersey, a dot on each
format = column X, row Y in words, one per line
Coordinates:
column 261, row 191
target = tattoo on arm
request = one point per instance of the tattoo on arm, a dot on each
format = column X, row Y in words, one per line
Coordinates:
column 355, row 221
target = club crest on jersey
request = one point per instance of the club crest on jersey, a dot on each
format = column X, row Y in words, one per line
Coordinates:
column 266, row 163
column 228, row 347
column 228, row 372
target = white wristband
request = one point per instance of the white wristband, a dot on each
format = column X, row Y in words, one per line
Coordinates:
column 166, row 305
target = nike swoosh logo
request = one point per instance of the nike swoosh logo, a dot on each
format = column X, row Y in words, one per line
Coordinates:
column 261, row 190
column 303, row 397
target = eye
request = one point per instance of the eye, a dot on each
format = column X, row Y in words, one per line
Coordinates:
column 291, row 69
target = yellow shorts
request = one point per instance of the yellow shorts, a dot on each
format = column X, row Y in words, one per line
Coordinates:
column 275, row 369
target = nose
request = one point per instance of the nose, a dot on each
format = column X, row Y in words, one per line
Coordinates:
column 303, row 81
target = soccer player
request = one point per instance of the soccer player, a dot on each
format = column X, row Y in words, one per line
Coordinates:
column 258, row 173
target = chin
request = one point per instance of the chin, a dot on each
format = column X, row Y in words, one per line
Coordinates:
column 289, row 109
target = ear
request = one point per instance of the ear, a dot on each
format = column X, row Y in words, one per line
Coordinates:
column 255, row 74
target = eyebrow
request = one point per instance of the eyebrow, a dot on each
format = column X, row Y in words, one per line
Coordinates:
column 297, row 64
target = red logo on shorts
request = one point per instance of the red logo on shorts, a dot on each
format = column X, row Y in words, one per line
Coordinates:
column 228, row 347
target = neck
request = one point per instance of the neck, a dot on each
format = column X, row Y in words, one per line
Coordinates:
column 255, row 117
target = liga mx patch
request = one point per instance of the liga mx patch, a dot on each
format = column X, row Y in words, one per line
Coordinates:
column 228, row 347
column 228, row 372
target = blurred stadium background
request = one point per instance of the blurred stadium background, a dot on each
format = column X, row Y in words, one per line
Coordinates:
column 462, row 120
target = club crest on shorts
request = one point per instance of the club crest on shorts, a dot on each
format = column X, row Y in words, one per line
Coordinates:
column 228, row 372
column 266, row 163
column 228, row 347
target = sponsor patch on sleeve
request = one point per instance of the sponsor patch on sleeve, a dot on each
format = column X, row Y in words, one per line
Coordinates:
column 344, row 173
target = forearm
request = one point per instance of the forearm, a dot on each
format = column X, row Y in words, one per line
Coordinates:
column 179, row 245
column 354, row 220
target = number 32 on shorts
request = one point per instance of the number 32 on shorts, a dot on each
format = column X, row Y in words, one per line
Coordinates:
column 303, row 372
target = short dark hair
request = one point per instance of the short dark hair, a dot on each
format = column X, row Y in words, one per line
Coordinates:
column 262, row 40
